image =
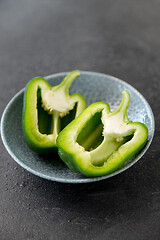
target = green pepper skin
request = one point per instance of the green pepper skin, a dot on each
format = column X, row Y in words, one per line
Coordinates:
column 40, row 123
column 122, row 139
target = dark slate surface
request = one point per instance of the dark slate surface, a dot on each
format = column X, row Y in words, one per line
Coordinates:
column 120, row 38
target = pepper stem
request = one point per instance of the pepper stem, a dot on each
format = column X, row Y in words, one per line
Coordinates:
column 123, row 107
column 67, row 81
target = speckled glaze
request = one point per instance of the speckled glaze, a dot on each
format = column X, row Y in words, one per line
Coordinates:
column 94, row 87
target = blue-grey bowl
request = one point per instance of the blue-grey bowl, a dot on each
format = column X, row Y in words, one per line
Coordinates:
column 94, row 87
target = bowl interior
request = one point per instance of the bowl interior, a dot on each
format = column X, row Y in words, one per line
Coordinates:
column 94, row 87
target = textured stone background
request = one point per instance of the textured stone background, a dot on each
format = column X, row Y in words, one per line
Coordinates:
column 120, row 38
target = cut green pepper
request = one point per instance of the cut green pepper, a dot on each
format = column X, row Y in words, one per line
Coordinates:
column 99, row 141
column 47, row 110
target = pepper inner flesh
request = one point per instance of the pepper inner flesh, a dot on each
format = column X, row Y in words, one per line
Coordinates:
column 44, row 119
column 47, row 122
column 91, row 135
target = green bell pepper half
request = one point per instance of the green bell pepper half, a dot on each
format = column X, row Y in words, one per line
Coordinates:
column 99, row 141
column 47, row 110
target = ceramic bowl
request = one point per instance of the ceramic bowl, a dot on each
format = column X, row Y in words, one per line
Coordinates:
column 94, row 87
